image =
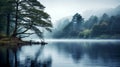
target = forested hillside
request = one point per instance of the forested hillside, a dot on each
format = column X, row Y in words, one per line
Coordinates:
column 105, row 26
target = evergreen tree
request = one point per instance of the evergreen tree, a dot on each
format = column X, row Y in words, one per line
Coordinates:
column 24, row 15
column 5, row 12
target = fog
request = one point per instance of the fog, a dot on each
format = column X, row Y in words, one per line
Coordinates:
column 62, row 8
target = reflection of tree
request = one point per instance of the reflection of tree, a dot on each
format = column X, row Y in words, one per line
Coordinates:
column 108, row 52
column 38, row 61
column 74, row 50
column 39, row 52
column 105, row 52
column 8, row 56
column 3, row 58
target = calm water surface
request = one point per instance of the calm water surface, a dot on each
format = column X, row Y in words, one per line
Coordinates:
column 71, row 54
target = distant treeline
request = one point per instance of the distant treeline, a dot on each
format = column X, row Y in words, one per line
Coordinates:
column 95, row 27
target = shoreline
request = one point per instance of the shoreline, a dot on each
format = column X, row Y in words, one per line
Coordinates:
column 18, row 42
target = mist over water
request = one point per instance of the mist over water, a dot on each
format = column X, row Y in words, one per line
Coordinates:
column 85, row 33
column 82, row 40
column 79, row 40
column 68, row 53
column 75, row 53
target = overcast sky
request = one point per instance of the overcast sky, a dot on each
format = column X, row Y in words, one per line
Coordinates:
column 58, row 9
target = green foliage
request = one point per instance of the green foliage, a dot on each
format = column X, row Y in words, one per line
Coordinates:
column 100, row 29
column 104, row 36
column 95, row 27
column 85, row 33
column 70, row 30
column 77, row 18
column 32, row 14
column 91, row 22
column 108, row 27
column 24, row 15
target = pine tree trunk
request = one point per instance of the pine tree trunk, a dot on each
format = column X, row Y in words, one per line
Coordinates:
column 16, row 20
column 8, row 25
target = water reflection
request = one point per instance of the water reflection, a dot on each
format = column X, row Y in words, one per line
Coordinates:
column 73, row 50
column 8, row 56
column 64, row 54
column 91, row 54
column 35, row 58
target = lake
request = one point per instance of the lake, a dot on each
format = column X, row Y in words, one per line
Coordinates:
column 70, row 54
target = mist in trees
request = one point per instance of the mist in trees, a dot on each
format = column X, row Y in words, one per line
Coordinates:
column 104, row 27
